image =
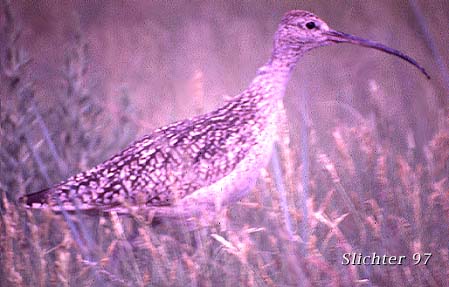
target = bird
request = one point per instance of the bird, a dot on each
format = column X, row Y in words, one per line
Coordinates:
column 206, row 162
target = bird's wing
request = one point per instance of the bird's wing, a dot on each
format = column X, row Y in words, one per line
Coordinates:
column 158, row 169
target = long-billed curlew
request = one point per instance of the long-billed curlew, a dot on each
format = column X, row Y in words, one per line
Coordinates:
column 201, row 163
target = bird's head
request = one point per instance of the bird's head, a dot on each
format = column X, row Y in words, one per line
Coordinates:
column 300, row 31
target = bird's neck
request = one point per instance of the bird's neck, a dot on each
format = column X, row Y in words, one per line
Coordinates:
column 272, row 78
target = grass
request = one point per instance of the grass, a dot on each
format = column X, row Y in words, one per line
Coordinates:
column 352, row 190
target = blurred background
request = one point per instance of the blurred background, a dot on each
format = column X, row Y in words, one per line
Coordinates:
column 83, row 79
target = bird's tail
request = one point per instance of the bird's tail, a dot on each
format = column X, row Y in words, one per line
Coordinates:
column 36, row 200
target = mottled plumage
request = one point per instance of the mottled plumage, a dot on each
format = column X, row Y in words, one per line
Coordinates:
column 201, row 163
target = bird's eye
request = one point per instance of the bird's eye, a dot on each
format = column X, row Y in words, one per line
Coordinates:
column 310, row 25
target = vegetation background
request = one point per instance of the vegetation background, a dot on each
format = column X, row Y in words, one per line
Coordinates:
column 361, row 165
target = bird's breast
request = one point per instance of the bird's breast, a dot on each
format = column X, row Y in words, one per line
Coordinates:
column 239, row 181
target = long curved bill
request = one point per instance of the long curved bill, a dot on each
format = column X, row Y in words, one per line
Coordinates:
column 340, row 37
